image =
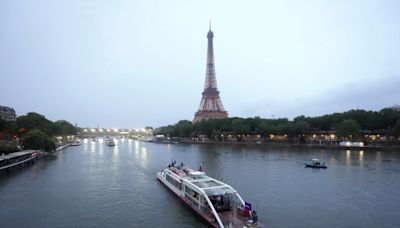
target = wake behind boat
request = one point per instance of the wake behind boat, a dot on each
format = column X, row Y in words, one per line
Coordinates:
column 218, row 204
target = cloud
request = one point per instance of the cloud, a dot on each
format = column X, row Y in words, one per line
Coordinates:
column 369, row 95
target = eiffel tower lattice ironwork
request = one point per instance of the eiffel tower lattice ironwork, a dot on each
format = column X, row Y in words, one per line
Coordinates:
column 210, row 104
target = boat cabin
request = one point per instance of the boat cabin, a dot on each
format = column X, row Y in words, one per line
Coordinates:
column 315, row 161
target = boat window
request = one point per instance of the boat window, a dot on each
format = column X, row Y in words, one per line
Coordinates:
column 222, row 203
column 192, row 196
column 174, row 182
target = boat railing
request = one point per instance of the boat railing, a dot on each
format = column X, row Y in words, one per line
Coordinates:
column 16, row 161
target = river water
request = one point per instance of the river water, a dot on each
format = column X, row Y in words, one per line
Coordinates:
column 94, row 185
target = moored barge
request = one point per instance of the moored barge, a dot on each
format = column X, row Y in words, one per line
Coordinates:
column 16, row 159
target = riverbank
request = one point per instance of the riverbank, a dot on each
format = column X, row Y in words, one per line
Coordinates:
column 297, row 145
column 24, row 158
column 61, row 147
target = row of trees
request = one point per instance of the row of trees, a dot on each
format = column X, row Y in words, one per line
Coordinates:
column 34, row 131
column 347, row 125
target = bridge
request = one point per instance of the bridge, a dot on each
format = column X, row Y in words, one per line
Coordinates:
column 102, row 132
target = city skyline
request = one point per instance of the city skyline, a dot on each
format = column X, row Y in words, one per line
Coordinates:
column 131, row 64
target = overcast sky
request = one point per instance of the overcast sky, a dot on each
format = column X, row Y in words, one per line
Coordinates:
column 131, row 64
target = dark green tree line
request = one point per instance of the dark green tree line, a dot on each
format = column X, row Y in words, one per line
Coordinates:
column 348, row 124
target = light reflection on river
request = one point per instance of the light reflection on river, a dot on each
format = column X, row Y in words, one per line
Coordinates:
column 94, row 185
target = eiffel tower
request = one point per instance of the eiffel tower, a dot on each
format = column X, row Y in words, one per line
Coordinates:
column 210, row 104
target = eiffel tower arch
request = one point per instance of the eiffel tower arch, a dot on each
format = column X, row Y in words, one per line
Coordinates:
column 210, row 104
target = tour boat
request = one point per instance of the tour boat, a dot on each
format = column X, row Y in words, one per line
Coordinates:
column 315, row 163
column 216, row 203
column 110, row 142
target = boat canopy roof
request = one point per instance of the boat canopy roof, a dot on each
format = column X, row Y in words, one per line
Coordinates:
column 201, row 182
column 211, row 186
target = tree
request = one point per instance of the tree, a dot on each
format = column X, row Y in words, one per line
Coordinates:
column 63, row 127
column 396, row 129
column 301, row 127
column 206, row 127
column 34, row 120
column 165, row 130
column 349, row 128
column 8, row 147
column 7, row 129
column 239, row 127
column 37, row 140
column 183, row 128
column 264, row 128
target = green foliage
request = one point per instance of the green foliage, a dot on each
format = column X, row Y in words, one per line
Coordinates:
column 6, row 148
column 206, row 127
column 7, row 130
column 396, row 129
column 346, row 123
column 147, row 128
column 165, row 130
column 63, row 127
column 349, row 129
column 239, row 126
column 37, row 140
column 34, row 120
column 301, row 127
column 183, row 128
column 264, row 128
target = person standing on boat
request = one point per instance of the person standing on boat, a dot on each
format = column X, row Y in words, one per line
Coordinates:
column 254, row 216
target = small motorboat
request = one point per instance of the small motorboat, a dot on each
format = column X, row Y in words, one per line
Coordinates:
column 315, row 163
column 110, row 142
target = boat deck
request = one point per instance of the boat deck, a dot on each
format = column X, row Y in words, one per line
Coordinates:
column 236, row 219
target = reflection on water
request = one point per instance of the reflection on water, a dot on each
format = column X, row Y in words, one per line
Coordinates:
column 104, row 186
column 348, row 157
column 101, row 148
column 116, row 153
column 136, row 146
column 143, row 156
column 361, row 158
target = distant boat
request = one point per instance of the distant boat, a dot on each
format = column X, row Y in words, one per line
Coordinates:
column 110, row 142
column 315, row 163
column 76, row 143
column 351, row 144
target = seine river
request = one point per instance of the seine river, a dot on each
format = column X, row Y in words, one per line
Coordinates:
column 94, row 185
